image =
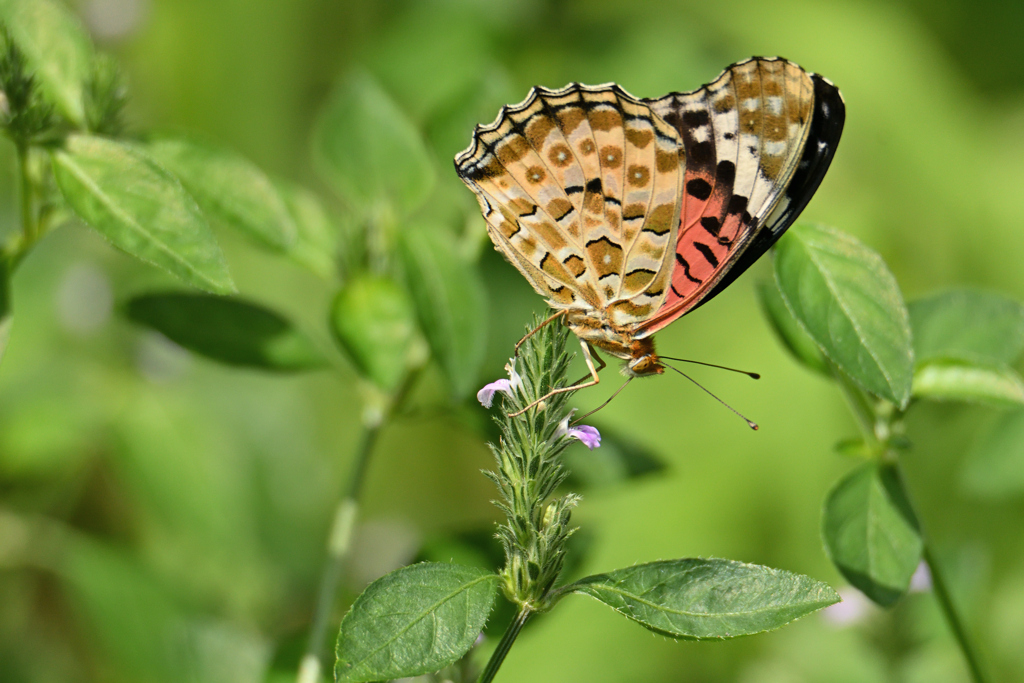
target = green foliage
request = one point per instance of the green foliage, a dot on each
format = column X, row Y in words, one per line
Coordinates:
column 373, row 320
column 57, row 50
column 370, row 152
column 5, row 306
column 26, row 116
column 141, row 209
column 228, row 330
column 230, row 188
column 951, row 380
column 871, row 533
column 967, row 325
column 848, row 301
column 788, row 330
column 714, row 598
column 415, row 620
column 995, row 465
column 449, row 298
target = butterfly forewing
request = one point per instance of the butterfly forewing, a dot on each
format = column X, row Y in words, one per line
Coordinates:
column 745, row 135
column 580, row 188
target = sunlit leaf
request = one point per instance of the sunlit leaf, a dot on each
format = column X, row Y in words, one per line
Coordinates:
column 788, row 330
column 949, row 380
column 317, row 238
column 141, row 208
column 848, row 301
column 970, row 325
column 450, row 304
column 995, row 466
column 57, row 49
column 230, row 188
column 5, row 306
column 374, row 321
column 413, row 621
column 695, row 598
column 871, row 533
column 228, row 330
column 370, row 152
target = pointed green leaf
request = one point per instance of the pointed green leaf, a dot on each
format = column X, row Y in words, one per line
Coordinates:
column 317, row 238
column 413, row 621
column 230, row 188
column 227, row 329
column 369, row 151
column 788, row 330
column 5, row 306
column 970, row 325
column 141, row 208
column 871, row 533
column 847, row 300
column 995, row 466
column 374, row 321
column 695, row 598
column 57, row 49
column 450, row 303
column 951, row 380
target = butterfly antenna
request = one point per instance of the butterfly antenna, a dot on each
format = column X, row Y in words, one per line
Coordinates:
column 752, row 425
column 586, row 415
column 751, row 375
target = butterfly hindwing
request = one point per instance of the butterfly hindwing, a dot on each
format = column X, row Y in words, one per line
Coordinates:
column 772, row 128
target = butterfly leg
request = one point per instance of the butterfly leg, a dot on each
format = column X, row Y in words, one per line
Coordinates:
column 589, row 359
column 534, row 331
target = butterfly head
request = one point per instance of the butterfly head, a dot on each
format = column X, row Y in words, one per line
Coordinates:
column 642, row 359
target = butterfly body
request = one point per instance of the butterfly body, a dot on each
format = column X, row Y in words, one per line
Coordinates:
column 627, row 213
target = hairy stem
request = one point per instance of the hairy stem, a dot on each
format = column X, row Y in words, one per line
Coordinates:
column 953, row 618
column 339, row 541
column 511, row 633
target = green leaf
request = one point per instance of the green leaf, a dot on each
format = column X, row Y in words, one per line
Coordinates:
column 141, row 208
column 788, row 330
column 871, row 533
column 848, row 301
column 374, row 321
column 413, row 621
column 951, row 380
column 228, row 330
column 969, row 325
column 5, row 306
column 229, row 187
column 995, row 466
column 369, row 151
column 450, row 304
column 695, row 598
column 317, row 237
column 57, row 49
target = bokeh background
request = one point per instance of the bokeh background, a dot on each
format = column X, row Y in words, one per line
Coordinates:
column 190, row 503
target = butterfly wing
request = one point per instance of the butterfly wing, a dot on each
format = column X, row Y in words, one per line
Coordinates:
column 758, row 141
column 581, row 191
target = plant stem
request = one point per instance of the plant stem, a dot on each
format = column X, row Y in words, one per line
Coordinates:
column 954, row 619
column 511, row 633
column 339, row 541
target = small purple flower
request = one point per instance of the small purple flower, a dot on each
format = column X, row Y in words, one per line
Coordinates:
column 486, row 395
column 590, row 437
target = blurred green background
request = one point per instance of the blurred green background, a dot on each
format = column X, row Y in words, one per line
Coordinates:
column 163, row 518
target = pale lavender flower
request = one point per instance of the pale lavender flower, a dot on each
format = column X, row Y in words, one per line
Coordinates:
column 590, row 437
column 486, row 395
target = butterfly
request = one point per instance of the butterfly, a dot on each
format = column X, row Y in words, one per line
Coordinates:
column 627, row 213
